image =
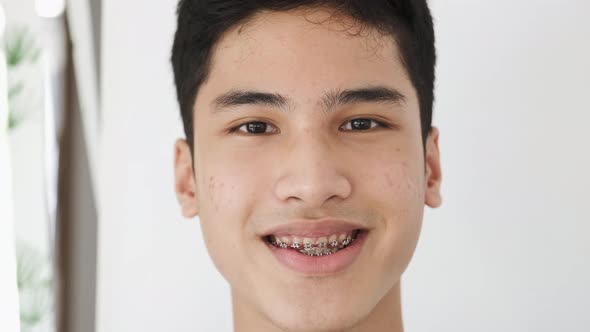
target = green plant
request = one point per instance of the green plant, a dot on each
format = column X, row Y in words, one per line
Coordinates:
column 34, row 286
column 20, row 48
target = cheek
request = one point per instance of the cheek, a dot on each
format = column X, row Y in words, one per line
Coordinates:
column 400, row 194
column 220, row 195
column 230, row 177
column 405, row 192
column 404, row 182
column 398, row 183
column 227, row 191
column 226, row 188
column 221, row 214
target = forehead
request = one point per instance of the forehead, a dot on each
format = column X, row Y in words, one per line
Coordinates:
column 304, row 53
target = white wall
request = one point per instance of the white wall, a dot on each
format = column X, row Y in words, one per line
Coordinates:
column 509, row 249
column 153, row 272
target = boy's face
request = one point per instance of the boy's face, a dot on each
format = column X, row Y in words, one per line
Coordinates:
column 311, row 163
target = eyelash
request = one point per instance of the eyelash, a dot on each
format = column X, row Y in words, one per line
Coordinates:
column 379, row 124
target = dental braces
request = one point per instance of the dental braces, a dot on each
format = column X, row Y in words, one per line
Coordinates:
column 319, row 249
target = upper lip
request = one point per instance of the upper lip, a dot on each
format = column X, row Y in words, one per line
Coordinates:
column 314, row 228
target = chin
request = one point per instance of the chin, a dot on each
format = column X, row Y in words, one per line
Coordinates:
column 307, row 316
column 315, row 324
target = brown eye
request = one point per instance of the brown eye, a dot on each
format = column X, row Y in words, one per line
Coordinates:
column 362, row 124
column 254, row 127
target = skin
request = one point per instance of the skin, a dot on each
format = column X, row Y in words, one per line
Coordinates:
column 311, row 165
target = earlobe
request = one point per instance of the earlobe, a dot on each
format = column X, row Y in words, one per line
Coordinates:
column 184, row 179
column 433, row 176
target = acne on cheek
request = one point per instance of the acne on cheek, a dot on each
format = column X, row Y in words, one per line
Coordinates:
column 216, row 193
column 223, row 193
column 401, row 182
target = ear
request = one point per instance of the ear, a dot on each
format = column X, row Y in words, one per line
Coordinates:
column 184, row 179
column 433, row 172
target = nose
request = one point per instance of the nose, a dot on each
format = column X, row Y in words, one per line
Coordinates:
column 311, row 173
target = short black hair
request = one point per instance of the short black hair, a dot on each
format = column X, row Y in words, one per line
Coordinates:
column 201, row 23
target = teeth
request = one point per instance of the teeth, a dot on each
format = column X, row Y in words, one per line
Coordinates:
column 308, row 252
column 325, row 245
column 286, row 240
column 278, row 242
column 318, row 251
column 272, row 239
column 346, row 241
column 333, row 239
column 342, row 239
column 296, row 243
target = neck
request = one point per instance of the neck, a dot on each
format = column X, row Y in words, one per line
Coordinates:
column 385, row 317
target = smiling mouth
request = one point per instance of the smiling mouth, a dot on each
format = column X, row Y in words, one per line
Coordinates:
column 315, row 246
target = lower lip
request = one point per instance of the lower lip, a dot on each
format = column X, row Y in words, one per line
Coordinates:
column 320, row 265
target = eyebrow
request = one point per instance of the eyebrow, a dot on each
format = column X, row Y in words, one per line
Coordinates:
column 371, row 94
column 330, row 100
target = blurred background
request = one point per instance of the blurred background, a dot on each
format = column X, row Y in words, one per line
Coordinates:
column 91, row 238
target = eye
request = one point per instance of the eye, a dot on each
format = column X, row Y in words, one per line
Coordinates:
column 363, row 124
column 254, row 127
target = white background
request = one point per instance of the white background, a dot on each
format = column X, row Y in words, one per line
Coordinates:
column 509, row 250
